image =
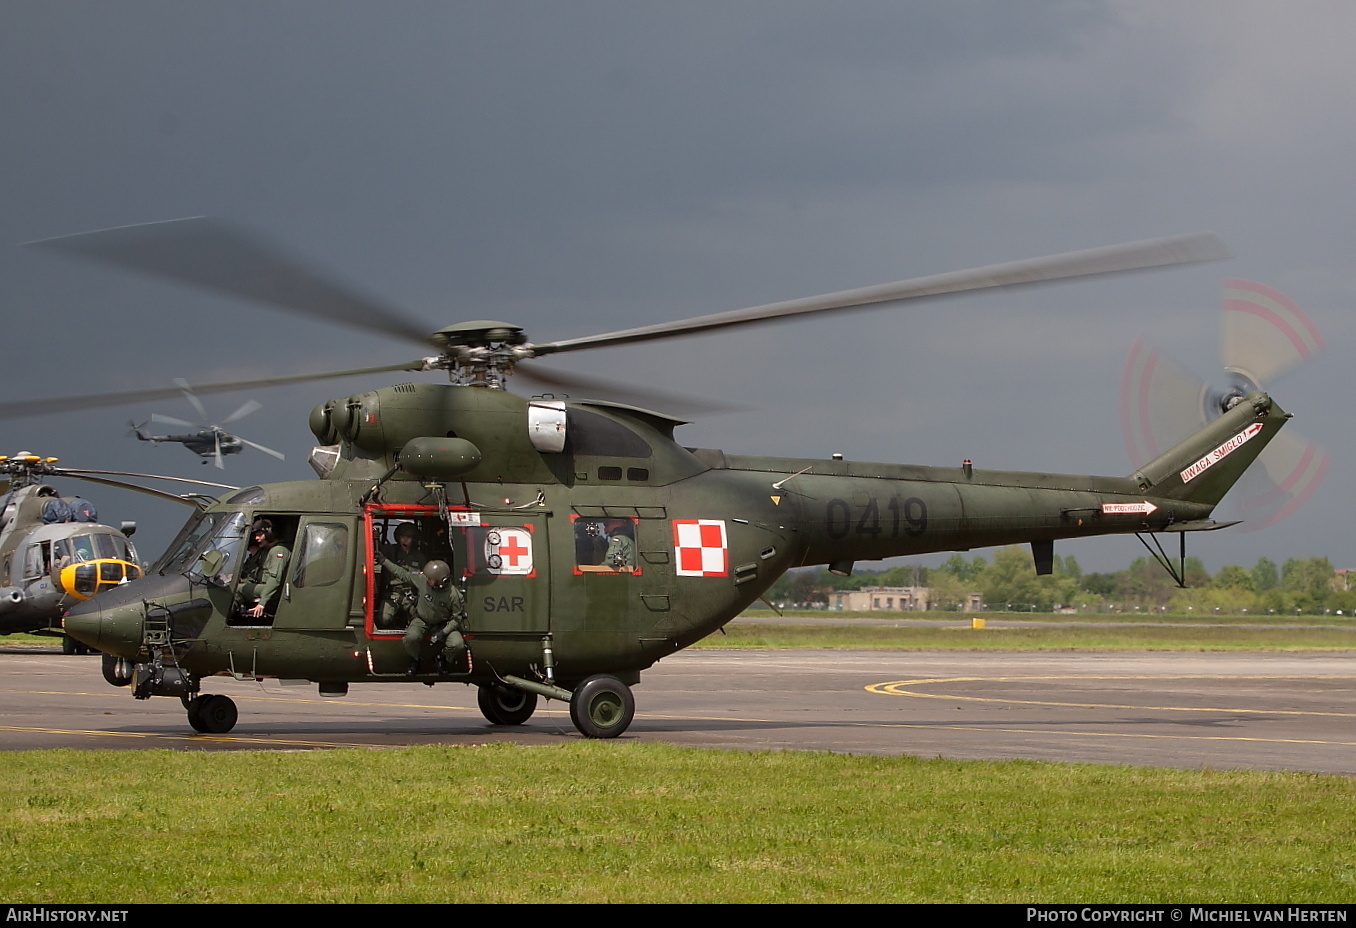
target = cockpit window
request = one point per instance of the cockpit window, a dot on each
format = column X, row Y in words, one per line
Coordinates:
column 81, row 548
column 228, row 538
column 196, row 535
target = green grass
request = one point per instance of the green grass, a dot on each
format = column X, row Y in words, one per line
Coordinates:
column 1062, row 618
column 995, row 637
column 50, row 641
column 626, row 822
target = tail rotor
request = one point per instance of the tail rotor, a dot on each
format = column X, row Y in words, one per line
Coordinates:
column 1263, row 335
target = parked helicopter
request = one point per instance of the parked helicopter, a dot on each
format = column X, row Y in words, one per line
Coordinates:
column 517, row 493
column 210, row 441
column 54, row 552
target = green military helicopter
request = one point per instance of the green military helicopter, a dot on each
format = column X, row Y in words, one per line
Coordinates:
column 586, row 541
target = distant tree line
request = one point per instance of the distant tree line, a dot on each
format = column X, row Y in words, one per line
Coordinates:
column 1307, row 585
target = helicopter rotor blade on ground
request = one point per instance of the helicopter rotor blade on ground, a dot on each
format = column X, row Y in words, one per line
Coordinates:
column 1162, row 252
column 218, row 256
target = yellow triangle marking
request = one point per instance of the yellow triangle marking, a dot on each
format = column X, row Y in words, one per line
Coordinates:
column 776, row 500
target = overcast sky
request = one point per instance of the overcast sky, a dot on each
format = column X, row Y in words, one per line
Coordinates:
column 581, row 167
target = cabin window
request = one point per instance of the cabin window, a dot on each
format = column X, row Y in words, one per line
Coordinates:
column 605, row 546
column 322, row 555
column 37, row 560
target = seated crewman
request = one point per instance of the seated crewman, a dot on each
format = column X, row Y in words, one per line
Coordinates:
column 261, row 578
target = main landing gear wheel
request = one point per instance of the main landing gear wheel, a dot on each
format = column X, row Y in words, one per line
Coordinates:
column 602, row 707
column 212, row 714
column 70, row 646
column 112, row 672
column 504, row 705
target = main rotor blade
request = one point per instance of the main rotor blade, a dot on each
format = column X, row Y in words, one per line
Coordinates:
column 42, row 407
column 1161, row 252
column 171, row 420
column 84, row 472
column 209, row 253
column 599, row 389
column 277, row 454
column 193, row 401
column 248, row 407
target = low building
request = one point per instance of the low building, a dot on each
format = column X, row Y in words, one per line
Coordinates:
column 893, row 599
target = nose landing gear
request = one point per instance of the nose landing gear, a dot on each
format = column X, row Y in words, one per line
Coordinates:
column 212, row 714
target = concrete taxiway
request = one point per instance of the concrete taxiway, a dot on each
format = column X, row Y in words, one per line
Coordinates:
column 1259, row 711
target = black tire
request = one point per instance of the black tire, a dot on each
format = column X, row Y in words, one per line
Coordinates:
column 109, row 665
column 503, row 705
column 70, row 646
column 191, row 706
column 602, row 707
column 213, row 714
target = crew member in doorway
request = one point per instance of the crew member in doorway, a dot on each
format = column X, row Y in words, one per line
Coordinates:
column 397, row 607
column 261, row 579
column 437, row 613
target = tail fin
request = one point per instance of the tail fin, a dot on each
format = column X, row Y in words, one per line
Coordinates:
column 1202, row 468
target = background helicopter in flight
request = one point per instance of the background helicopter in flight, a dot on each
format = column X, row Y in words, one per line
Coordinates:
column 517, row 494
column 209, row 441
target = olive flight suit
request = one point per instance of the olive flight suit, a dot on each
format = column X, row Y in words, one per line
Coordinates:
column 262, row 577
column 397, row 607
column 434, row 609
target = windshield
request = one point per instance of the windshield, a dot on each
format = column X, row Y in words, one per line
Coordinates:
column 205, row 530
column 225, row 540
column 88, row 547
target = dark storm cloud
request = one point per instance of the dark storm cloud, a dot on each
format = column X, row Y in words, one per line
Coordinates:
column 588, row 166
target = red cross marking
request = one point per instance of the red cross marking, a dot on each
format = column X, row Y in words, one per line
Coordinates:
column 512, row 550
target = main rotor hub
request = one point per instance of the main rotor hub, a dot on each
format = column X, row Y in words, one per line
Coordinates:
column 479, row 353
column 25, row 468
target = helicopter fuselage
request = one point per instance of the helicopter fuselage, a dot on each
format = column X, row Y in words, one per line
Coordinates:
column 205, row 443
column 521, row 498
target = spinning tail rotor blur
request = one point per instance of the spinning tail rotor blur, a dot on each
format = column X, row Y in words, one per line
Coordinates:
column 1263, row 335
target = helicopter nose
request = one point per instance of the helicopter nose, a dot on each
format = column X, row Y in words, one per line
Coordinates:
column 113, row 630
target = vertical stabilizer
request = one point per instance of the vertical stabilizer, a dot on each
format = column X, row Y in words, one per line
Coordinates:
column 1202, row 468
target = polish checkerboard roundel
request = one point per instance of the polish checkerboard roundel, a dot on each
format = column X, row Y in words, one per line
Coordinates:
column 701, row 548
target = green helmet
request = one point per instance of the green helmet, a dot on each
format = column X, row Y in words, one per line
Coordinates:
column 437, row 573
